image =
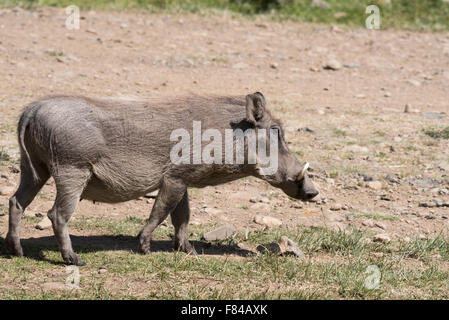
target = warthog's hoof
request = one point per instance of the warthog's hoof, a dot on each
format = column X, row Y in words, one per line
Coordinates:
column 13, row 247
column 144, row 249
column 186, row 248
column 73, row 259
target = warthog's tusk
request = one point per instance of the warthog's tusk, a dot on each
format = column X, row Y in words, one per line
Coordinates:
column 303, row 172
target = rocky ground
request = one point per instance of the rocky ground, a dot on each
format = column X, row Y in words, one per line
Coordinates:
column 341, row 94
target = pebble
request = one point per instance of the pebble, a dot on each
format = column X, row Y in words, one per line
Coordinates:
column 352, row 65
column 44, row 224
column 102, row 270
column 221, row 233
column 267, row 221
column 7, row 191
column 375, row 185
column 289, row 246
column 332, row 64
column 382, row 237
column 336, row 207
column 356, row 149
column 320, row 4
column 380, row 225
column 415, row 83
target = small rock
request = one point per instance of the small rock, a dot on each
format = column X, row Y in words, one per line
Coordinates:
column 253, row 200
column 289, row 246
column 433, row 115
column 267, row 221
column 426, row 204
column 297, row 205
column 102, row 270
column 213, row 211
column 415, row 83
column 332, row 64
column 260, row 207
column 375, row 185
column 380, row 225
column 44, row 224
column 368, row 223
column 382, row 237
column 424, row 182
column 7, row 191
column 351, row 65
column 320, row 4
column 224, row 232
column 356, row 149
column 336, row 207
column 438, row 202
column 407, row 108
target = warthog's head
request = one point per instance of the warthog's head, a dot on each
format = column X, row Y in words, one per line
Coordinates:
column 290, row 175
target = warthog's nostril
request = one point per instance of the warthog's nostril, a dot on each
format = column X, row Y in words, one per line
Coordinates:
column 310, row 194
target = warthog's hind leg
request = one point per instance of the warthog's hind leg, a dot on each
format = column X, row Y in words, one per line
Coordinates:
column 70, row 183
column 26, row 192
column 180, row 219
column 170, row 194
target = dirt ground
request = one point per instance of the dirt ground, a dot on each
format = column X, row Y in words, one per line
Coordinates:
column 358, row 128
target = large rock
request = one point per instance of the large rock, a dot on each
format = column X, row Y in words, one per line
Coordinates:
column 222, row 233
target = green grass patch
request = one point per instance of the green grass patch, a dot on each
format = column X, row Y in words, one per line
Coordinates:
column 398, row 14
column 437, row 133
column 335, row 267
column 374, row 216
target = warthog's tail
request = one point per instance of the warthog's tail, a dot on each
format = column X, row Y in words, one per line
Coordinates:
column 21, row 129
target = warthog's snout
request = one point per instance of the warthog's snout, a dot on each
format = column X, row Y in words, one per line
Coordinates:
column 302, row 187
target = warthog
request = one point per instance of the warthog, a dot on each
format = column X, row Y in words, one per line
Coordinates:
column 115, row 151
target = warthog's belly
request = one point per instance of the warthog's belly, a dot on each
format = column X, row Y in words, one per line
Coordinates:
column 97, row 190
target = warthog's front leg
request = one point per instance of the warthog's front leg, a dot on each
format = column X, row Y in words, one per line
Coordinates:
column 170, row 194
column 180, row 219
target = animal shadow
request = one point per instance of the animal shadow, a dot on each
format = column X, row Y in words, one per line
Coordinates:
column 34, row 247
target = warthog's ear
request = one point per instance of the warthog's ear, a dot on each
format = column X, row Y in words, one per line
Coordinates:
column 255, row 107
